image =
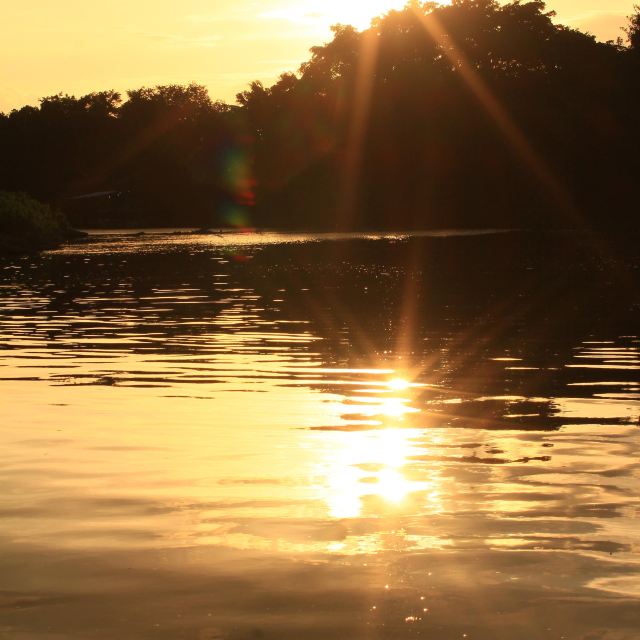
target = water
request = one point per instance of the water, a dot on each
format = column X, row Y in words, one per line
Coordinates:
column 285, row 437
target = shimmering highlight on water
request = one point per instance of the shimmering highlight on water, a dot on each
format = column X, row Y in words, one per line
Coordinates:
column 264, row 436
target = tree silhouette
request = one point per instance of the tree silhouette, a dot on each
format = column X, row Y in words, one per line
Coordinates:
column 474, row 113
column 633, row 29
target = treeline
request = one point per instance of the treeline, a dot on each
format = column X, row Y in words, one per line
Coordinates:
column 163, row 156
column 471, row 114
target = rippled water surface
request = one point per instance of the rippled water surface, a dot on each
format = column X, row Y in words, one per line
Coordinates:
column 325, row 437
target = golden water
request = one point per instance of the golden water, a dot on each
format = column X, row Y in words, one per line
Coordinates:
column 270, row 436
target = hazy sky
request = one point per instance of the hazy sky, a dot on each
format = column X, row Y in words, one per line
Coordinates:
column 79, row 46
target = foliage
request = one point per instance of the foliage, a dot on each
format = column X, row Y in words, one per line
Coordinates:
column 26, row 224
column 473, row 113
column 469, row 114
column 164, row 149
column 633, row 29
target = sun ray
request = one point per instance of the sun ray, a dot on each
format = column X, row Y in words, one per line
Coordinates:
column 501, row 117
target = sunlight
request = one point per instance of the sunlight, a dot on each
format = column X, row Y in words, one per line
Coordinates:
column 398, row 384
column 369, row 464
column 330, row 12
column 394, row 407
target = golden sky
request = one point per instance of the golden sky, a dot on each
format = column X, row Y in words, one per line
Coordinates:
column 79, row 46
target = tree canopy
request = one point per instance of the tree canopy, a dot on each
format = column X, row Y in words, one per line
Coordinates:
column 469, row 114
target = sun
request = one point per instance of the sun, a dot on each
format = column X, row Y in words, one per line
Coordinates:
column 359, row 13
column 324, row 13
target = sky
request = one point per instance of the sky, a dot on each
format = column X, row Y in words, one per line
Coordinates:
column 80, row 46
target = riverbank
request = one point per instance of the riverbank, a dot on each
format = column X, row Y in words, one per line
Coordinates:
column 27, row 225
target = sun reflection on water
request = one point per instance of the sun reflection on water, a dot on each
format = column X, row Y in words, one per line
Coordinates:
column 366, row 472
column 398, row 384
column 369, row 473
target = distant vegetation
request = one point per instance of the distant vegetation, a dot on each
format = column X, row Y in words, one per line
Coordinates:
column 472, row 114
column 28, row 225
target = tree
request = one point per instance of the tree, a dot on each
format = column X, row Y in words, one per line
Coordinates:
column 633, row 30
column 462, row 114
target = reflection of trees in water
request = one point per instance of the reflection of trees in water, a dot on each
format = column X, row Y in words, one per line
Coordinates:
column 488, row 323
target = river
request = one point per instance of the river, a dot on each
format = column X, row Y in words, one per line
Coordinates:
column 340, row 436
